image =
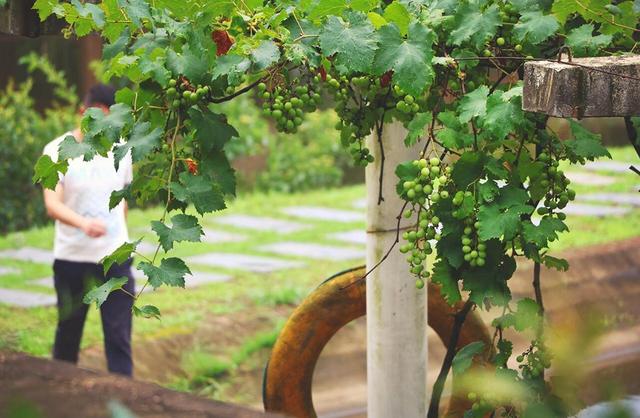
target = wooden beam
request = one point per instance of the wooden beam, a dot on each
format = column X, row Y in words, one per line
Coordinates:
column 583, row 87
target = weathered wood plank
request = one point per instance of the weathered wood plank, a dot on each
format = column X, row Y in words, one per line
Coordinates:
column 591, row 87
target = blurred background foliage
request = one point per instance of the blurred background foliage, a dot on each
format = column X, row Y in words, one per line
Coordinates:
column 265, row 160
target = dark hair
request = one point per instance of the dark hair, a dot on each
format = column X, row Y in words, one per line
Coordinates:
column 100, row 94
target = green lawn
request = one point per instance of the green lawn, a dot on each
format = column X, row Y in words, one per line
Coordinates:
column 247, row 294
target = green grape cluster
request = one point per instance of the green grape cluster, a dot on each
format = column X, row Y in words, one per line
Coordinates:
column 182, row 94
column 426, row 189
column 474, row 250
column 559, row 195
column 355, row 122
column 287, row 106
column 534, row 361
column 407, row 106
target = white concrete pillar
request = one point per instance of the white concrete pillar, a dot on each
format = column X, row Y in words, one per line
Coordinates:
column 396, row 314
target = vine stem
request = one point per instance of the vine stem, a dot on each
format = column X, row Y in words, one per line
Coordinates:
column 386, row 255
column 166, row 206
column 438, row 386
column 379, row 130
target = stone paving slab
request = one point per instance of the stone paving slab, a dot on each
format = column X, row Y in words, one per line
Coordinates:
column 216, row 237
column 26, row 299
column 357, row 236
column 589, row 179
column 360, row 203
column 8, row 270
column 146, row 247
column 582, row 209
column 244, row 262
column 324, row 214
column 632, row 199
column 36, row 255
column 315, row 251
column 613, row 166
column 260, row 223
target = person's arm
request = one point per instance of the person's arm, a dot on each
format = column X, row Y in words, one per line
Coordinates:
column 56, row 209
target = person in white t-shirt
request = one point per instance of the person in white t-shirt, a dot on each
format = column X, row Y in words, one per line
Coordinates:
column 86, row 231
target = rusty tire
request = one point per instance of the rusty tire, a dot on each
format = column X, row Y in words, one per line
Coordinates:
column 335, row 303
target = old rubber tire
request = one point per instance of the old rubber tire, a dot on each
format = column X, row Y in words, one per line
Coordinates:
column 335, row 303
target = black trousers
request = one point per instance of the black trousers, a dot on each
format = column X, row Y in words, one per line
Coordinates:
column 72, row 281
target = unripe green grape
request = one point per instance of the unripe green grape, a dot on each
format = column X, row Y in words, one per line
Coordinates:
column 419, row 283
column 411, row 194
column 434, row 161
column 186, row 94
column 480, row 261
column 442, row 179
column 171, row 92
column 466, row 241
column 172, row 83
column 500, row 41
column 277, row 113
column 466, row 249
column 435, row 170
column 487, row 53
column 518, row 48
column 476, row 225
column 176, row 103
column 467, row 230
column 444, row 194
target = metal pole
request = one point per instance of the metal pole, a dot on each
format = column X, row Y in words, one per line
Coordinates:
column 396, row 314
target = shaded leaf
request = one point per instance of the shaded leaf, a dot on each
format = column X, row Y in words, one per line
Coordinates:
column 171, row 272
column 183, row 228
column 100, row 294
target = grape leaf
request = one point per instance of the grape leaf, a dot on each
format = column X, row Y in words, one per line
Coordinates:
column 503, row 116
column 443, row 275
column 119, row 255
column 98, row 126
column 322, row 8
column 585, row 145
column 44, row 8
column 545, row 232
column 583, row 43
column 464, row 357
column 231, row 65
column 193, row 64
column 353, row 42
column 410, row 58
column 118, row 195
column 46, row 172
column 211, row 129
column 502, row 217
column 200, row 191
column 398, row 14
column 100, row 294
column 526, row 316
column 364, row 5
column 171, row 272
column 559, row 264
column 505, row 349
column 468, row 169
column 473, row 104
column 535, row 27
column 474, row 25
column 141, row 142
column 70, row 148
column 147, row 311
column 136, row 10
column 183, row 228
column 416, row 127
column 265, row 55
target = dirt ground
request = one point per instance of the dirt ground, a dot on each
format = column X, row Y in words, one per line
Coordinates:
column 598, row 276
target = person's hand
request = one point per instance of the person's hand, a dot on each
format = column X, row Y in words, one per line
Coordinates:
column 94, row 228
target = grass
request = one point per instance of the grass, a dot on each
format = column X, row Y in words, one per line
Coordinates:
column 248, row 294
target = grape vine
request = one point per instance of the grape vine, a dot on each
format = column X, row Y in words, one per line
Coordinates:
column 486, row 190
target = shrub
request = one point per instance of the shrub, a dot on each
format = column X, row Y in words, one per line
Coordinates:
column 24, row 132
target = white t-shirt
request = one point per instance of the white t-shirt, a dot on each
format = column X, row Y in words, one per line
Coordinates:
column 87, row 186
